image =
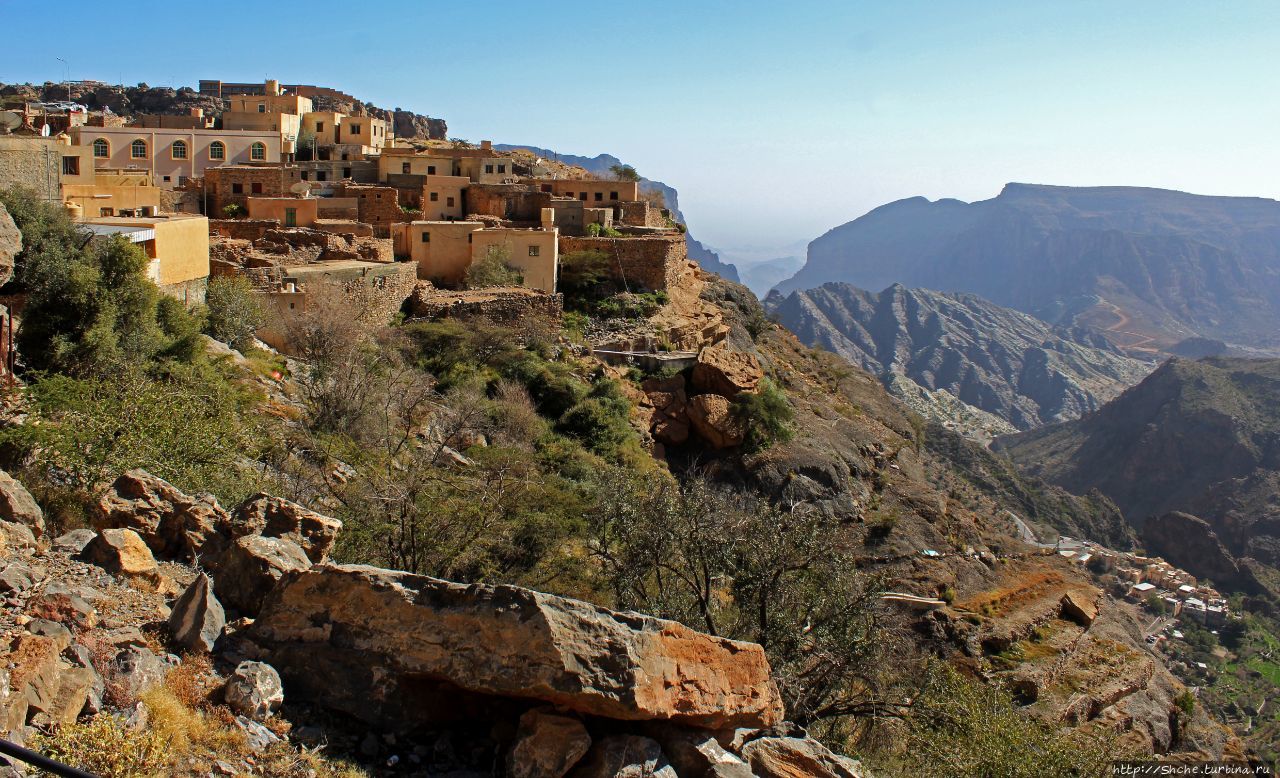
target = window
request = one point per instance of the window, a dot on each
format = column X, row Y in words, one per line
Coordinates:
column 319, row 126
column 105, row 212
column 435, row 197
column 70, row 166
column 256, row 187
column 101, row 148
column 535, row 251
column 258, row 151
column 321, row 175
column 166, row 178
column 217, row 150
column 262, row 107
column 613, row 195
column 469, row 237
column 355, row 129
column 182, row 180
column 488, row 168
column 426, row 237
column 546, row 187
column 449, row 202
column 502, row 168
column 583, row 197
column 431, row 170
column 346, row 172
column 404, row 167
column 237, row 189
column 599, row 196
column 306, row 176
column 138, row 149
column 178, row 150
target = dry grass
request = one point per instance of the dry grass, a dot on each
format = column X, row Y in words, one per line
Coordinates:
column 108, row 747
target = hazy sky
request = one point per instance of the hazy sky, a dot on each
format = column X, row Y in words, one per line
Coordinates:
column 776, row 121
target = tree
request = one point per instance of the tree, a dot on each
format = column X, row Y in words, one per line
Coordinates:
column 306, row 145
column 232, row 210
column 766, row 414
column 493, row 269
column 234, row 310
column 624, row 172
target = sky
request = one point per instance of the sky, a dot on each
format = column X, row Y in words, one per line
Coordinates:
column 775, row 121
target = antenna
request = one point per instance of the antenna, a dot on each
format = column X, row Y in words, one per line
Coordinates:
column 9, row 121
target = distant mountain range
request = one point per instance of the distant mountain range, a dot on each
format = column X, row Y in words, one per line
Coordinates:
column 760, row 277
column 1200, row 438
column 960, row 347
column 601, row 164
column 1150, row 268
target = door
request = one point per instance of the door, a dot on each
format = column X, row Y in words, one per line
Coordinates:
column 291, row 217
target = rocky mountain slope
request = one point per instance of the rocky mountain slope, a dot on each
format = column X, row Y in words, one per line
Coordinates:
column 995, row 359
column 1150, row 267
column 600, row 165
column 1196, row 436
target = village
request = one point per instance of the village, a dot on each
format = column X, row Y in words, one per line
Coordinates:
column 298, row 199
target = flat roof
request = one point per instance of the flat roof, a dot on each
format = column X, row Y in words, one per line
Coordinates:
column 133, row 234
column 1143, row 587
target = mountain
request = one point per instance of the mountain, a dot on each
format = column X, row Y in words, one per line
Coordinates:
column 1200, row 437
column 997, row 360
column 760, row 277
column 601, row 164
column 1150, row 267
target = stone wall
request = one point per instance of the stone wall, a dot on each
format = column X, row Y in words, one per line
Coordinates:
column 344, row 227
column 517, row 202
column 244, row 229
column 376, row 205
column 529, row 312
column 651, row 262
column 189, row 292
column 270, row 181
column 35, row 166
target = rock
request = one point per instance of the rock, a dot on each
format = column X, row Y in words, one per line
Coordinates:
column 726, row 373
column 17, row 537
column 257, row 737
column 60, row 635
column 197, row 619
column 671, row 432
column 75, row 684
column 254, row 690
column 74, row 541
column 625, row 756
column 123, row 553
column 1080, row 608
column 173, row 524
column 696, row 752
column 64, row 605
column 792, row 757
column 370, row 642
column 16, row 577
column 276, row 517
column 136, row 669
column 712, row 418
column 16, row 503
column 10, row 244
column 250, row 568
column 34, row 672
column 547, row 745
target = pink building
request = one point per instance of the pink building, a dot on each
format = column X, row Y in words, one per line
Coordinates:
column 174, row 155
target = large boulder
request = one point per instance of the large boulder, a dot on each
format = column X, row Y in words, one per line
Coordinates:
column 173, row 524
column 547, row 745
column 276, row 517
column 10, row 244
column 724, row 372
column 793, row 757
column 123, row 553
column 197, row 619
column 378, row 643
column 250, row 567
column 254, row 690
column 625, row 756
column 712, row 418
column 16, row 503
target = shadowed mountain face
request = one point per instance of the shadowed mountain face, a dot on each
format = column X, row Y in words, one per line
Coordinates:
column 995, row 359
column 1151, row 267
column 601, row 164
column 1200, row 437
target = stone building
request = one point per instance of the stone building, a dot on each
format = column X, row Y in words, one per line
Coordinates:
column 235, row 184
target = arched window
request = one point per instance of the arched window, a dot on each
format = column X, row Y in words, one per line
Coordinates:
column 217, row 150
column 101, row 148
column 179, row 149
column 138, row 149
column 258, row 151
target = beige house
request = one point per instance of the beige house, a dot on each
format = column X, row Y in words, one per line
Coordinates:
column 346, row 134
column 61, row 172
column 590, row 191
column 444, row 250
column 289, row 211
column 172, row 156
column 177, row 245
column 442, row 198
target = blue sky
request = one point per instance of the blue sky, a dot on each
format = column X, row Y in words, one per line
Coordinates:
column 775, row 121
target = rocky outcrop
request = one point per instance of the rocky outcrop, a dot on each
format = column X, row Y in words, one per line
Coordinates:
column 625, row 756
column 414, row 125
column 996, row 360
column 276, row 517
column 726, row 372
column 1189, row 542
column 792, row 757
column 17, row 505
column 173, row 524
column 712, row 418
column 10, row 244
column 251, row 566
column 395, row 635
column 547, row 745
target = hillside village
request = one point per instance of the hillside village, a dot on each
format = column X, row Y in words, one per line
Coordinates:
column 504, row 335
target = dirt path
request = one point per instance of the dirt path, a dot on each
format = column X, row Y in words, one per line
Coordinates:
column 1123, row 321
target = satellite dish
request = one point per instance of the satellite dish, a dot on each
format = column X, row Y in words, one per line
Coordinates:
column 9, row 121
column 44, row 130
column 301, row 188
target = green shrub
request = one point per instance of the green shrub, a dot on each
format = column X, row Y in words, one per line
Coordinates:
column 767, row 416
column 493, row 269
column 232, row 210
column 234, row 311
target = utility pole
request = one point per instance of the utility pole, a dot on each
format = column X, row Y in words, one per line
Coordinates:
column 66, row 77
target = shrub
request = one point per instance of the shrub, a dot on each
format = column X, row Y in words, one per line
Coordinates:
column 493, row 269
column 234, row 311
column 106, row 746
column 766, row 415
column 232, row 210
